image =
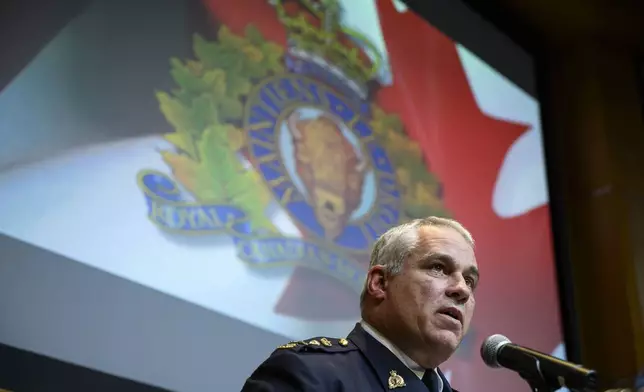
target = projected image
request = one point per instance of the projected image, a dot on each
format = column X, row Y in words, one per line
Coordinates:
column 293, row 134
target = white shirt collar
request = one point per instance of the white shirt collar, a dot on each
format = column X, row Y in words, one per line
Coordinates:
column 410, row 363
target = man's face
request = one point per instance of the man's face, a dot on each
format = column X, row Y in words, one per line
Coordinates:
column 433, row 297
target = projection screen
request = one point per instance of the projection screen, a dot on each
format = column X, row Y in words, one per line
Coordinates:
column 186, row 185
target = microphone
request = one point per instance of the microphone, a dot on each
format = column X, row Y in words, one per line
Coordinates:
column 539, row 369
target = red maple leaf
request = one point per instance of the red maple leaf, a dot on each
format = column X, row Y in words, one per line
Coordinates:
column 465, row 149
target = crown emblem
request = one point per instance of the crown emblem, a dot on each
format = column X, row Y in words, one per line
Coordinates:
column 320, row 46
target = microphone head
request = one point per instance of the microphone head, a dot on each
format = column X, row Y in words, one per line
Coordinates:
column 490, row 349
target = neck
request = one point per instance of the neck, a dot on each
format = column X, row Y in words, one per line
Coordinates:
column 415, row 349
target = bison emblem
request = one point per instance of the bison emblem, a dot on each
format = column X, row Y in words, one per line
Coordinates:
column 330, row 168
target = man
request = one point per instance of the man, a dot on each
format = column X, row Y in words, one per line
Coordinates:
column 416, row 306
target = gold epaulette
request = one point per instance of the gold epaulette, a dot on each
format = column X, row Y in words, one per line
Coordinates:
column 319, row 344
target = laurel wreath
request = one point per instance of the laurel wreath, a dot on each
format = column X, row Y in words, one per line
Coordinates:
column 206, row 112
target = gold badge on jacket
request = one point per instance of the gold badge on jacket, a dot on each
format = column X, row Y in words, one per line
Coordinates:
column 395, row 380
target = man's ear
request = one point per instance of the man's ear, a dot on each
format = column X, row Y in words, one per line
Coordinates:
column 377, row 282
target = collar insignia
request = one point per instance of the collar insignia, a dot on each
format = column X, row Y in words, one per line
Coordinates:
column 395, row 380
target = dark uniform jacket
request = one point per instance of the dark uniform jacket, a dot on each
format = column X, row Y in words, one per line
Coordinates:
column 358, row 363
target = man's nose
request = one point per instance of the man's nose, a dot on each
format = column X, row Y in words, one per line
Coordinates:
column 459, row 290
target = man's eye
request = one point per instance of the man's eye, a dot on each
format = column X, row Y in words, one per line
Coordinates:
column 470, row 282
column 437, row 268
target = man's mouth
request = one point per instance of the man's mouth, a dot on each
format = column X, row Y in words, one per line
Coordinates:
column 452, row 312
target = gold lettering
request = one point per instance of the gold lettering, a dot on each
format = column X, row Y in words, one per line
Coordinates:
column 269, row 109
column 217, row 222
column 270, row 145
column 158, row 213
column 182, row 216
column 378, row 226
column 278, row 250
column 344, row 268
column 266, row 133
column 389, row 199
column 277, row 181
column 271, row 92
column 289, row 194
column 250, row 250
column 310, row 252
column 387, row 180
column 387, row 191
column 368, row 139
column 323, row 257
column 331, row 262
column 190, row 218
column 286, row 196
column 260, row 126
column 306, row 92
column 258, row 111
column 253, row 251
column 204, row 220
column 295, row 249
column 241, row 249
column 267, row 158
column 351, row 123
column 286, row 89
column 272, row 250
column 281, row 184
column 388, row 214
column 371, row 237
column 275, row 165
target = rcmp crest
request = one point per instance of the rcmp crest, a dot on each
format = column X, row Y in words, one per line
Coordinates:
column 261, row 126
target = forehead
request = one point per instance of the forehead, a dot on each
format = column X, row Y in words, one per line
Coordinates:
column 446, row 240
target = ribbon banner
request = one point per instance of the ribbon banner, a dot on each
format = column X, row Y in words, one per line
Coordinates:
column 168, row 210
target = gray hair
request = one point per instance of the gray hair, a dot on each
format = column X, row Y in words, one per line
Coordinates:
column 399, row 242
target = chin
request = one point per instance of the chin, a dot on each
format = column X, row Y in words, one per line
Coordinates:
column 445, row 340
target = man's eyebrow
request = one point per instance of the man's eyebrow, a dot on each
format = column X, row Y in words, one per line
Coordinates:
column 472, row 270
column 444, row 257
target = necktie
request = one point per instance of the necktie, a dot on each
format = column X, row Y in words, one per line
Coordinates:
column 430, row 379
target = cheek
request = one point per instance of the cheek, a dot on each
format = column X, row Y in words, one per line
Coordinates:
column 430, row 293
column 434, row 287
column 469, row 310
column 413, row 293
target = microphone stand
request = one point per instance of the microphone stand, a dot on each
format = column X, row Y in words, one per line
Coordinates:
column 536, row 381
